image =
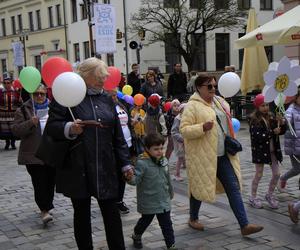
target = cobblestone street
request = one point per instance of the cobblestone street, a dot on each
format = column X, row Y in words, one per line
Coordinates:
column 21, row 227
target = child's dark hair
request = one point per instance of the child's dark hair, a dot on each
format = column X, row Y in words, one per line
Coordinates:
column 153, row 140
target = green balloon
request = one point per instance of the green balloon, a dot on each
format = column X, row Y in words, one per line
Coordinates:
column 30, row 78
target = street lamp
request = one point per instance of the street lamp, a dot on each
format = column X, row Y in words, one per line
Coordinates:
column 23, row 36
column 87, row 4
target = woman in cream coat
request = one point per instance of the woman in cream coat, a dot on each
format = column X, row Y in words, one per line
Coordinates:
column 210, row 170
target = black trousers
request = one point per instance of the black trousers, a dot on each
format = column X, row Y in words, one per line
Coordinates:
column 43, row 181
column 112, row 224
column 165, row 223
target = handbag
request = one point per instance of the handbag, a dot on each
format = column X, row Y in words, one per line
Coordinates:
column 232, row 145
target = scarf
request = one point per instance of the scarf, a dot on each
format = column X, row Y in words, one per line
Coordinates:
column 43, row 105
column 221, row 105
column 93, row 91
column 161, row 162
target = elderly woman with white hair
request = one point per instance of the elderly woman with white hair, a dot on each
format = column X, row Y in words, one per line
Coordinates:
column 90, row 168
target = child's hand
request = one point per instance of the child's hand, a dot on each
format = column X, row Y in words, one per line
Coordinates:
column 276, row 131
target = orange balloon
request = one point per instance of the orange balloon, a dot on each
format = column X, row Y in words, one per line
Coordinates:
column 139, row 99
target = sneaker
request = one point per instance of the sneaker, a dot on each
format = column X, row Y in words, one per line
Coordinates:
column 293, row 213
column 123, row 207
column 137, row 241
column 195, row 224
column 271, row 200
column 173, row 247
column 46, row 217
column 255, row 202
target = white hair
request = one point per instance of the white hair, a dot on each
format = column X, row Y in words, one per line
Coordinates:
column 92, row 67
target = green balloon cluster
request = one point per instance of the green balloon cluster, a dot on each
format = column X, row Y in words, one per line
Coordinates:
column 30, row 78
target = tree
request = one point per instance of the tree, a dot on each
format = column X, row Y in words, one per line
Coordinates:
column 166, row 20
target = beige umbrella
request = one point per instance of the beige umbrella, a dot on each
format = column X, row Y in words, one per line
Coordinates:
column 284, row 29
column 255, row 61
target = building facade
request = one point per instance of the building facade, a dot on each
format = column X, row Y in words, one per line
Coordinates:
column 43, row 21
column 39, row 25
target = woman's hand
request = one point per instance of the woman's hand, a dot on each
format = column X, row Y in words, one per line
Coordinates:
column 35, row 120
column 76, row 129
column 208, row 126
column 128, row 174
column 277, row 131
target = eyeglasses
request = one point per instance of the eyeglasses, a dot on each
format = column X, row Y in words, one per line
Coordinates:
column 210, row 86
column 36, row 94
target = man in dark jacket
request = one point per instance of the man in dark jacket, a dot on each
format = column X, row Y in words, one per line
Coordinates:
column 177, row 83
column 134, row 79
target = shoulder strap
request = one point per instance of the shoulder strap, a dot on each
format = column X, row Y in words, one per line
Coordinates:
column 219, row 122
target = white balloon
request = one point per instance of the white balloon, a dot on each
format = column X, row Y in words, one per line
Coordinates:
column 229, row 84
column 69, row 89
column 278, row 98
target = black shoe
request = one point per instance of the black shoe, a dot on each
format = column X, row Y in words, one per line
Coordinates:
column 6, row 147
column 137, row 241
column 13, row 147
column 123, row 208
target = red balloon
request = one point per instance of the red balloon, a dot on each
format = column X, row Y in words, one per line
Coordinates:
column 167, row 106
column 53, row 67
column 17, row 84
column 114, row 78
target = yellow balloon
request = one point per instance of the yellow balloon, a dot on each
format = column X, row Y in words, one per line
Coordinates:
column 127, row 90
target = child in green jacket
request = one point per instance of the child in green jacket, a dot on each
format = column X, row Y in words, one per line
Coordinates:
column 154, row 191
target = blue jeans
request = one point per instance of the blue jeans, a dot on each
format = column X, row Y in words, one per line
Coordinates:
column 227, row 177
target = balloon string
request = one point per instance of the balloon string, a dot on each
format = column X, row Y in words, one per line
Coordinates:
column 33, row 108
column 71, row 114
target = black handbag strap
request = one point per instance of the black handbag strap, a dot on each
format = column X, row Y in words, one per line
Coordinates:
column 220, row 124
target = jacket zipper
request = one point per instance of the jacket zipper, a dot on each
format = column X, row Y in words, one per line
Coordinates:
column 97, row 149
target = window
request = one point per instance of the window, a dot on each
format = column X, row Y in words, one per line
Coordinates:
column 269, row 52
column 76, row 52
column 244, row 4
column 86, row 47
column 196, row 4
column 38, row 19
column 56, row 45
column 92, row 7
column 30, row 20
column 3, row 27
column 20, row 22
column 3, row 65
column 83, row 12
column 171, row 3
column 266, row 4
column 38, row 62
column 241, row 53
column 110, row 60
column 106, row 1
column 58, row 16
column 198, row 40
column 74, row 11
column 222, row 50
column 171, row 53
column 50, row 16
column 221, row 4
column 13, row 25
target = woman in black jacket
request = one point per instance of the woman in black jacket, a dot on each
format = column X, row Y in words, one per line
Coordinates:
column 90, row 167
column 151, row 86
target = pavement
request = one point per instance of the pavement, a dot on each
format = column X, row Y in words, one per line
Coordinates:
column 21, row 227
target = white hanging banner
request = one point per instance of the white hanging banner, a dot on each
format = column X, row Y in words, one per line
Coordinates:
column 105, row 28
column 18, row 53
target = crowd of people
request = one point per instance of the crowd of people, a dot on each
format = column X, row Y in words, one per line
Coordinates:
column 103, row 143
